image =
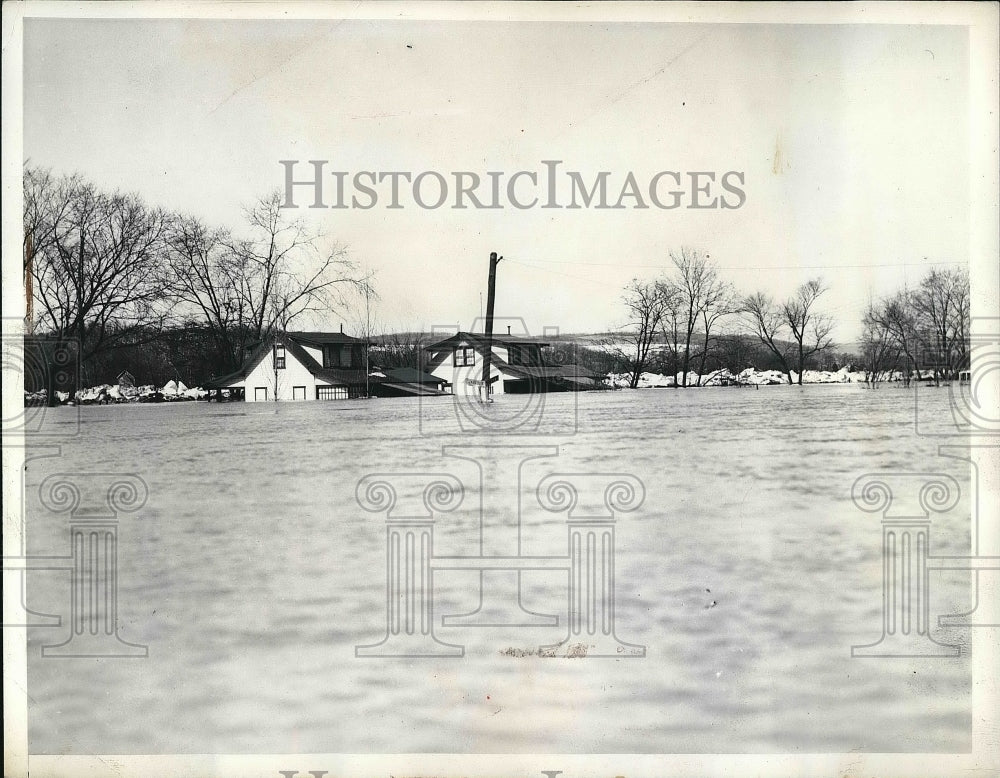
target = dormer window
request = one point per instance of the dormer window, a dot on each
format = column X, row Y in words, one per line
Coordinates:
column 340, row 356
column 279, row 356
column 464, row 356
column 524, row 355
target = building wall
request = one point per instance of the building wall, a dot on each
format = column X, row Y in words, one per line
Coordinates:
column 314, row 351
column 294, row 374
column 459, row 377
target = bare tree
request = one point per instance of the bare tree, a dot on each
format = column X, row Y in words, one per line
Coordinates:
column 768, row 323
column 207, row 281
column 703, row 300
column 941, row 307
column 719, row 302
column 898, row 316
column 47, row 201
column 645, row 301
column 810, row 329
column 94, row 263
column 880, row 350
column 250, row 287
column 670, row 326
column 961, row 320
column 287, row 270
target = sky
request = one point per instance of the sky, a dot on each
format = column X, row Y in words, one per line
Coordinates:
column 852, row 141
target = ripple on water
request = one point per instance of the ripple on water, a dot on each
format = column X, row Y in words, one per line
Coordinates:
column 747, row 574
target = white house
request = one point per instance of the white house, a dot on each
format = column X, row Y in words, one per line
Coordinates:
column 517, row 365
column 299, row 366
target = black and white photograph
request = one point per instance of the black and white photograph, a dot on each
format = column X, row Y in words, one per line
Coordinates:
column 501, row 389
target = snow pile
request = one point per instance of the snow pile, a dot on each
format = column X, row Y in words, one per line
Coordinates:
column 654, row 381
column 618, row 380
column 108, row 394
column 748, row 377
column 646, row 380
column 753, row 377
column 721, row 377
column 95, row 395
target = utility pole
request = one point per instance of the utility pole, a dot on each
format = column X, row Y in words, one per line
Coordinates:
column 368, row 333
column 29, row 294
column 490, row 295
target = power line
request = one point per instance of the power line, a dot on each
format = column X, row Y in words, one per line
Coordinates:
column 663, row 267
column 751, row 268
column 557, row 272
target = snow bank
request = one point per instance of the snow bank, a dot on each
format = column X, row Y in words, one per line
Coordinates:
column 748, row 377
column 107, row 394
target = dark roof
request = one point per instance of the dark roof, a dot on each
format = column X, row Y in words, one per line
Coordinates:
column 223, row 381
column 336, row 375
column 408, row 388
column 321, row 338
column 567, row 371
column 480, row 339
column 543, row 372
column 343, row 376
column 411, row 375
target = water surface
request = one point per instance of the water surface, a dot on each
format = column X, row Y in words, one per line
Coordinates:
column 251, row 573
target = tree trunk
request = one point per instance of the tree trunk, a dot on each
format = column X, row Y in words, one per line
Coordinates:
column 701, row 365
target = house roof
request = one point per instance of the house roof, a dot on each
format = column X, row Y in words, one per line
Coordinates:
column 411, row 375
column 334, row 375
column 479, row 339
column 342, row 376
column 569, row 372
column 417, row 389
column 564, row 372
column 322, row 338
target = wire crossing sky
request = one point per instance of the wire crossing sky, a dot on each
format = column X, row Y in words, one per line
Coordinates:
column 852, row 143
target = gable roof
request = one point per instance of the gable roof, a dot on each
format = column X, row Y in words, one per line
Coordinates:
column 323, row 338
column 292, row 342
column 564, row 372
column 479, row 339
column 346, row 375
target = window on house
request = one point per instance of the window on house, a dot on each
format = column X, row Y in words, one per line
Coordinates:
column 331, row 393
column 464, row 356
column 260, row 393
column 279, row 356
column 339, row 356
column 523, row 355
column 298, row 393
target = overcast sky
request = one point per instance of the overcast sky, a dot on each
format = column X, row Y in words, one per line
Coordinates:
column 853, row 142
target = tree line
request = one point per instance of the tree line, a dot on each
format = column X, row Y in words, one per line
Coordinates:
column 166, row 295
column 689, row 320
column 921, row 332
column 118, row 278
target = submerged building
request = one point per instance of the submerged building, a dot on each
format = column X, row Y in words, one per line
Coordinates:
column 299, row 366
column 518, row 365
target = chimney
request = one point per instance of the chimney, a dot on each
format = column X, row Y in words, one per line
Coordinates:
column 342, row 328
column 508, row 329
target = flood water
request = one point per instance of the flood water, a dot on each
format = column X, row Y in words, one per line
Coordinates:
column 251, row 574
